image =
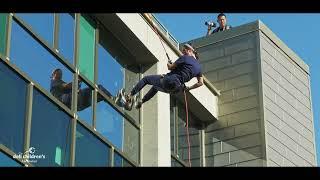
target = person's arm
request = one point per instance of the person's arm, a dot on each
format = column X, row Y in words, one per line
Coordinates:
column 196, row 85
column 66, row 86
column 171, row 66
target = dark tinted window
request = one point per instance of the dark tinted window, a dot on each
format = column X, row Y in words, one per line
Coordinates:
column 90, row 151
column 13, row 93
column 41, row 24
column 6, row 161
column 50, row 132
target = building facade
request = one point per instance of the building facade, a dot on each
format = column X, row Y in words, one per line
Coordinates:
column 265, row 108
column 254, row 109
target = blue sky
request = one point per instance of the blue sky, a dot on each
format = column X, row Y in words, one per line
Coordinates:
column 299, row 31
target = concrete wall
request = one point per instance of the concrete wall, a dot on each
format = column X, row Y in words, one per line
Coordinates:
column 265, row 112
column 231, row 65
column 287, row 106
column 155, row 114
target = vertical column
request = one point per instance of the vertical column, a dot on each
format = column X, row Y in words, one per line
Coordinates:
column 111, row 157
column 56, row 32
column 202, row 148
column 156, row 126
column 95, row 75
column 74, row 95
column 27, row 126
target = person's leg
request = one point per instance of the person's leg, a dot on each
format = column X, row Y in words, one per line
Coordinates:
column 100, row 98
column 84, row 98
column 66, row 99
column 153, row 91
column 147, row 97
column 150, row 80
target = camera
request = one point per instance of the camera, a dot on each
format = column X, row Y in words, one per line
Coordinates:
column 211, row 24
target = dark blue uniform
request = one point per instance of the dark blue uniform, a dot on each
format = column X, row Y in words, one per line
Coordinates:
column 187, row 68
column 63, row 94
column 218, row 29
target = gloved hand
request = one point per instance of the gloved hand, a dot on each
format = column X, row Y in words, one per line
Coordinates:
column 186, row 88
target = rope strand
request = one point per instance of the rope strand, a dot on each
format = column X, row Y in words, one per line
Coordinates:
column 187, row 127
column 157, row 32
column 185, row 96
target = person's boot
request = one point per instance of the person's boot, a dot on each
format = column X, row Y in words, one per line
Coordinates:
column 138, row 103
column 120, row 99
column 129, row 102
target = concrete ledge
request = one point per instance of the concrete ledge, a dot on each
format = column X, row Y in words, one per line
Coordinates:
column 126, row 35
column 199, row 110
column 248, row 28
column 274, row 38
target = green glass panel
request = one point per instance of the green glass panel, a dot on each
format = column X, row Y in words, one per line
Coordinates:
column 86, row 49
column 58, row 155
column 3, row 32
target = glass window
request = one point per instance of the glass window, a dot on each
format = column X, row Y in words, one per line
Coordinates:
column 3, row 32
column 90, row 151
column 26, row 53
column 85, row 99
column 182, row 137
column 13, row 93
column 115, row 68
column 6, row 161
column 131, row 141
column 110, row 72
column 50, row 132
column 175, row 163
column 118, row 130
column 109, row 123
column 131, row 79
column 86, row 48
column 119, row 161
column 66, row 36
column 41, row 23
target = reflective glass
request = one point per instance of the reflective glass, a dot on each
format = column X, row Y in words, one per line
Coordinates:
column 6, row 161
column 50, row 132
column 90, row 151
column 66, row 36
column 109, row 123
column 41, row 23
column 13, row 96
column 3, row 32
column 85, row 99
column 86, row 48
column 33, row 59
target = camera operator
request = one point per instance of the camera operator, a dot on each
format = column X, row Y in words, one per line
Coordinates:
column 222, row 20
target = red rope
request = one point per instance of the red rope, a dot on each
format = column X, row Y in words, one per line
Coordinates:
column 185, row 96
column 186, row 102
column 157, row 32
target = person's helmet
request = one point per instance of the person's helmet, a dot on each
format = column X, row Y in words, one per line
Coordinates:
column 189, row 46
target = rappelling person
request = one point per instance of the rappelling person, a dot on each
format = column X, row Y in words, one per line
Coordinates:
column 63, row 91
column 182, row 70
